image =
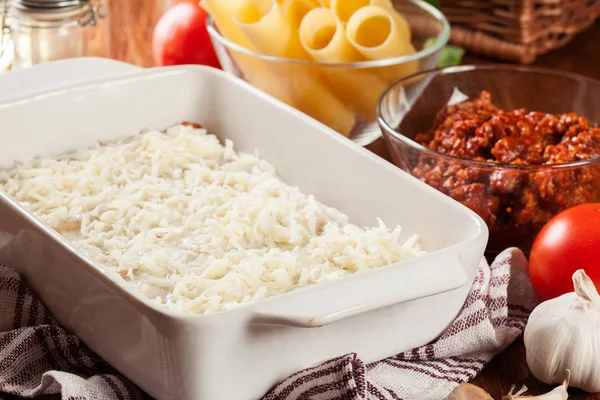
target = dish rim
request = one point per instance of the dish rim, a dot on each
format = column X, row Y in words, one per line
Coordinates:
column 124, row 288
column 387, row 129
column 441, row 41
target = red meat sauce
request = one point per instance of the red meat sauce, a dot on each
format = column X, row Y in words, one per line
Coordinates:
column 515, row 204
column 192, row 124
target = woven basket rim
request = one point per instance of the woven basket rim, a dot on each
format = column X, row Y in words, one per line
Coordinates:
column 518, row 30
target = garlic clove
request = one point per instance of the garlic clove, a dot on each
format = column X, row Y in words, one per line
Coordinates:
column 584, row 287
column 558, row 393
column 518, row 393
column 467, row 391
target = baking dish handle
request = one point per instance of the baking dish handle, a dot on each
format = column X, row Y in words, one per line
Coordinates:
column 330, row 302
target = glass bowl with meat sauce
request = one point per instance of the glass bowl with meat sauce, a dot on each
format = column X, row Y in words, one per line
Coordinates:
column 515, row 144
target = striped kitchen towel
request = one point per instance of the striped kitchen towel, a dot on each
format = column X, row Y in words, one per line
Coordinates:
column 37, row 357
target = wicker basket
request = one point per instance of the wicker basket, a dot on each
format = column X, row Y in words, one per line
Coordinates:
column 517, row 30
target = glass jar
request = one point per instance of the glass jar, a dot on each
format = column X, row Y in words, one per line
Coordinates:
column 6, row 45
column 49, row 30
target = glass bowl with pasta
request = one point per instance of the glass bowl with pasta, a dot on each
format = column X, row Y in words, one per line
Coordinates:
column 330, row 59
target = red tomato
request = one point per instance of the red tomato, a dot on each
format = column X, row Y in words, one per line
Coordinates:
column 180, row 37
column 568, row 242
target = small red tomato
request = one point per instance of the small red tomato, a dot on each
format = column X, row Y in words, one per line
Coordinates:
column 568, row 242
column 180, row 37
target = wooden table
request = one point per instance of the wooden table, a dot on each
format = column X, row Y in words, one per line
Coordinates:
column 131, row 27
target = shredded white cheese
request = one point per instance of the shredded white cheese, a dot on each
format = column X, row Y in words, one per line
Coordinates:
column 194, row 225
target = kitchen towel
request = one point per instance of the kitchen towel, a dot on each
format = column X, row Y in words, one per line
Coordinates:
column 38, row 357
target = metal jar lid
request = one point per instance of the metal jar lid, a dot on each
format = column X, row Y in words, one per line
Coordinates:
column 82, row 10
column 48, row 5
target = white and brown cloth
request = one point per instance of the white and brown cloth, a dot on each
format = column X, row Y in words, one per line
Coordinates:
column 39, row 358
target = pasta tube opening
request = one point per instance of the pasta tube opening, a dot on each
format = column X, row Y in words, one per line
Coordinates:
column 374, row 32
column 323, row 37
column 317, row 30
column 345, row 9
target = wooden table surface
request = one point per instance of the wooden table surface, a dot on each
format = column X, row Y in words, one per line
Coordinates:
column 131, row 27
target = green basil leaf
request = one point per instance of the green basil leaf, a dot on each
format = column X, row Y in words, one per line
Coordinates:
column 451, row 55
column 435, row 3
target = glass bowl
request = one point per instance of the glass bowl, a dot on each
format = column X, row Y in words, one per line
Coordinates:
column 341, row 95
column 514, row 200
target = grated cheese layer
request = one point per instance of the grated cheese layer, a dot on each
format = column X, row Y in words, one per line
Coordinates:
column 194, row 225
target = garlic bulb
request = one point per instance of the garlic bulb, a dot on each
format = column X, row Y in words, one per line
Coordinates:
column 564, row 334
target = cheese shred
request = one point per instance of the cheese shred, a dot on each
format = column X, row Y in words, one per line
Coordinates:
column 194, row 225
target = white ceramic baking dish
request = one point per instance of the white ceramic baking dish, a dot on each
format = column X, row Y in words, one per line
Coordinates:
column 239, row 354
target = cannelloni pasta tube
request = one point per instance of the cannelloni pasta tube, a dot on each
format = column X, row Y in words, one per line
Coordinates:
column 222, row 12
column 265, row 26
column 295, row 10
column 374, row 32
column 254, row 70
column 324, row 38
column 344, row 9
column 270, row 32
